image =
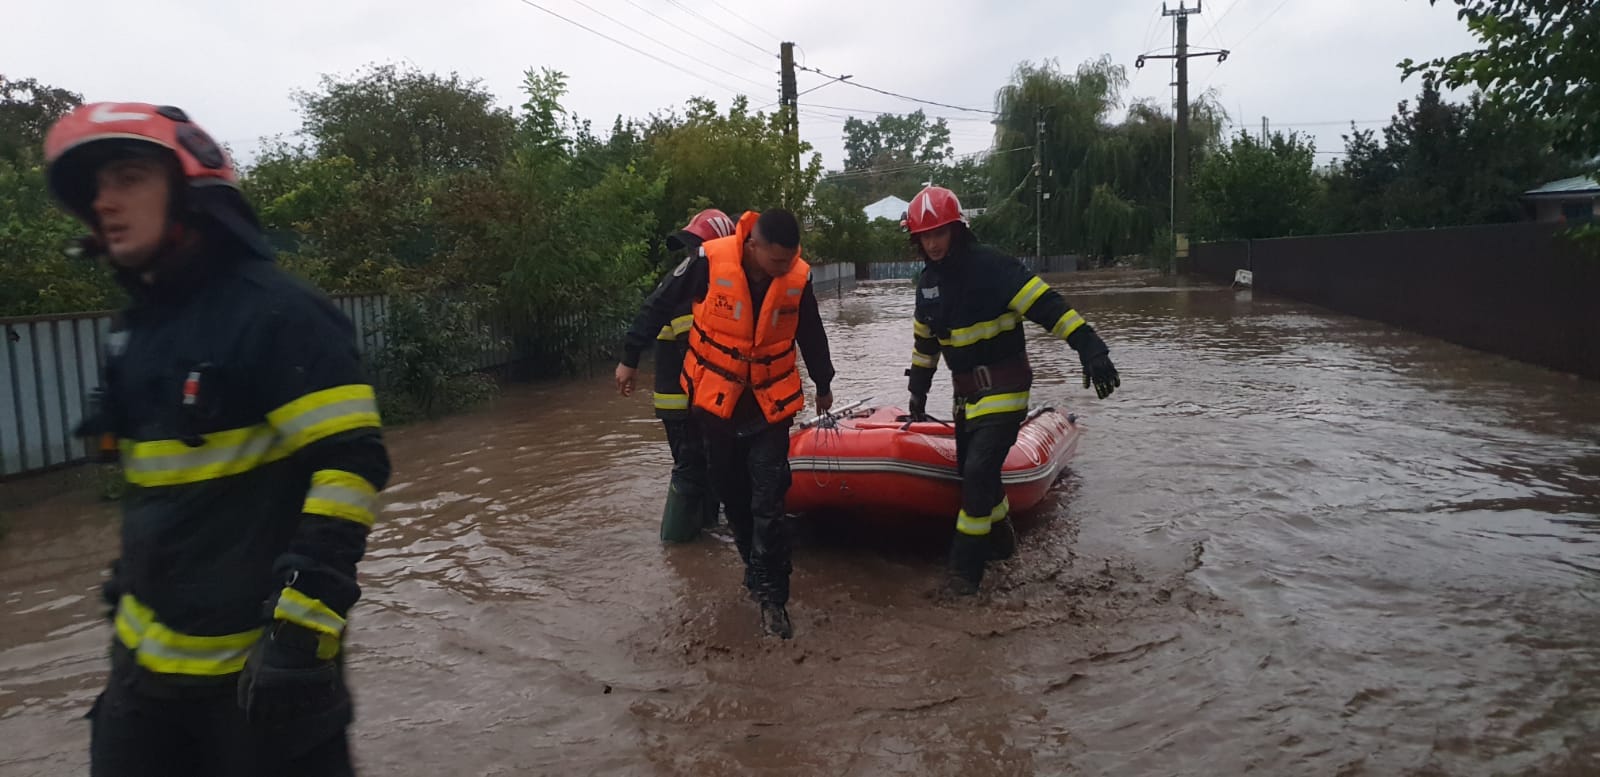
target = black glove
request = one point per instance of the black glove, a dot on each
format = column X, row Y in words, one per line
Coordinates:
column 1096, row 357
column 919, row 407
column 111, row 590
column 1099, row 371
column 285, row 682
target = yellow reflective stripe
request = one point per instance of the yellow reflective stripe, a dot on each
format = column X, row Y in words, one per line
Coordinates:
column 344, row 495
column 920, row 329
column 680, row 326
column 920, row 359
column 295, row 607
column 967, row 524
column 672, row 401
column 998, row 403
column 225, row 453
column 1069, row 323
column 160, row 649
column 979, row 525
column 322, row 414
column 1030, row 293
column 983, row 330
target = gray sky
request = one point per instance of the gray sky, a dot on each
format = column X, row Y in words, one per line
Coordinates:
column 233, row 64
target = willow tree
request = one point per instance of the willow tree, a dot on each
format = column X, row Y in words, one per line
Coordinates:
column 1106, row 184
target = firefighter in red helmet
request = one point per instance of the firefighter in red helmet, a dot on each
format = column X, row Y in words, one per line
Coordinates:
column 755, row 315
column 691, row 504
column 251, row 444
column 971, row 301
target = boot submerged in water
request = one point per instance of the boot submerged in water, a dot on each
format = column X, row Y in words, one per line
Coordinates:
column 968, row 555
column 683, row 515
column 775, row 621
column 1002, row 539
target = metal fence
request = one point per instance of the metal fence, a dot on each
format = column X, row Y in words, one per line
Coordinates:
column 883, row 271
column 834, row 279
column 1520, row 290
column 50, row 363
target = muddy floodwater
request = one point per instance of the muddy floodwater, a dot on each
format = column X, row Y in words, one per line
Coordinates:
column 1294, row 543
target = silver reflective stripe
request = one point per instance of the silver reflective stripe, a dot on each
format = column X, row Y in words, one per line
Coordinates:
column 795, row 292
column 344, row 495
column 254, row 448
column 303, row 422
column 299, row 612
column 158, row 653
column 725, row 282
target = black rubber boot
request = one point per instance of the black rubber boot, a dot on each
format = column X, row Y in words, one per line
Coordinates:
column 775, row 621
column 968, row 555
column 680, row 518
column 1002, row 539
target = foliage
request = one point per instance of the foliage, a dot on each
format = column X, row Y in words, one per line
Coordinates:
column 39, row 277
column 1441, row 164
column 892, row 154
column 388, row 116
column 840, row 231
column 1253, row 189
column 1106, row 187
column 429, row 347
column 1539, row 58
column 27, row 108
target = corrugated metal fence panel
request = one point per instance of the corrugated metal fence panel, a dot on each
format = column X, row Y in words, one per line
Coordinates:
column 833, row 278
column 883, row 271
column 50, row 363
column 48, row 367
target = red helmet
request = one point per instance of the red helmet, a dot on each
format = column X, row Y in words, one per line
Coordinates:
column 89, row 137
column 932, row 208
column 708, row 224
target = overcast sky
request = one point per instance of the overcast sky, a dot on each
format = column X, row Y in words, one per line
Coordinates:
column 233, row 65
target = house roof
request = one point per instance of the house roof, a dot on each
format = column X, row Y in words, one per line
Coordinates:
column 1580, row 185
column 890, row 208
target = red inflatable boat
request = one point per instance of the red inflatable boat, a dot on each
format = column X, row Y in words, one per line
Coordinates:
column 870, row 461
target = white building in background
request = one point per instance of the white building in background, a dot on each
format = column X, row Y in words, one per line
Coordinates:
column 891, row 208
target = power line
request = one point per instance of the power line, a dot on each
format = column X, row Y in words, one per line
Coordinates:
column 679, row 52
column 696, row 35
column 673, row 65
column 713, row 23
column 1224, row 15
column 876, row 111
column 859, row 85
column 1263, row 23
column 735, row 14
column 806, row 92
column 915, row 165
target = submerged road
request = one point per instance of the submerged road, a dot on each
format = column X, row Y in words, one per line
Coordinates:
column 1294, row 543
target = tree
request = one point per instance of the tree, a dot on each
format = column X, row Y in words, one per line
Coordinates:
column 1442, row 164
column 1539, row 58
column 1253, row 189
column 1105, row 184
column 893, row 153
column 392, row 117
column 39, row 277
column 736, row 161
column 27, row 109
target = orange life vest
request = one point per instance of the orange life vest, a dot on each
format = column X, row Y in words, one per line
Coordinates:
column 733, row 348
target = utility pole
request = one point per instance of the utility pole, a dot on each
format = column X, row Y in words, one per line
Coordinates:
column 1264, row 130
column 788, row 99
column 1038, row 184
column 1180, row 161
